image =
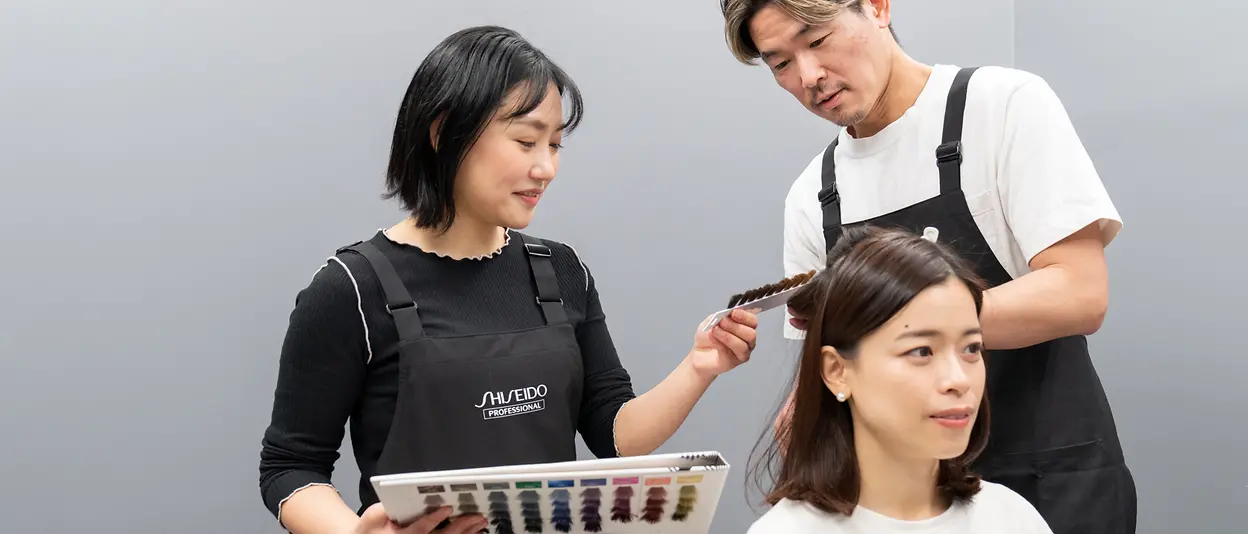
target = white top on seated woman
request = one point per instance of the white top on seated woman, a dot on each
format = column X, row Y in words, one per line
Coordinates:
column 889, row 406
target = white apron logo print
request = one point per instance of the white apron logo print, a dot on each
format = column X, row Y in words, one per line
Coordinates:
column 498, row 404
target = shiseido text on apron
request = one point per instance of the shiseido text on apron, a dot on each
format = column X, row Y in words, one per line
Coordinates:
column 497, row 404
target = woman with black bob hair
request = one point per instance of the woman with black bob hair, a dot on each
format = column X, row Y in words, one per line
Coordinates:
column 451, row 340
column 889, row 408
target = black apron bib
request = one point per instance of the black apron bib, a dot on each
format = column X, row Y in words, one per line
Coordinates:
column 1052, row 435
column 481, row 400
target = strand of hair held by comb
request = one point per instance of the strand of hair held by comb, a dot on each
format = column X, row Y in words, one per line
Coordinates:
column 768, row 290
column 761, row 299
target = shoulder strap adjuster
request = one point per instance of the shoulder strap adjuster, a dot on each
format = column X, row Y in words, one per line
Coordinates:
column 348, row 247
column 537, row 249
column 829, row 195
column 391, row 309
column 950, row 152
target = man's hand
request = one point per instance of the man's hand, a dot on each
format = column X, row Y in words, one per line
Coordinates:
column 796, row 320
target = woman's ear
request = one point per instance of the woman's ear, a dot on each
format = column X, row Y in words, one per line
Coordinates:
column 834, row 373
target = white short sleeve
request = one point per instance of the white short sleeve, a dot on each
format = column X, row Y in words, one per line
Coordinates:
column 1048, row 185
column 803, row 238
column 1013, row 512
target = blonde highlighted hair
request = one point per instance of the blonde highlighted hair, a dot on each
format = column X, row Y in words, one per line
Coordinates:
column 738, row 13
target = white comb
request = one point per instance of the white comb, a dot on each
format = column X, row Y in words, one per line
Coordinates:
column 763, row 298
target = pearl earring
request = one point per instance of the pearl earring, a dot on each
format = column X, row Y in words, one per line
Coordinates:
column 840, row 397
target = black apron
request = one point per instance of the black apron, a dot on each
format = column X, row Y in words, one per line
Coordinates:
column 480, row 400
column 1052, row 435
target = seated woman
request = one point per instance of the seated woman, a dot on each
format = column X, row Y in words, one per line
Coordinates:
column 888, row 408
column 451, row 340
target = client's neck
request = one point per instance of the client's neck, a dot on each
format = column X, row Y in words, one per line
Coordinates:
column 465, row 238
column 897, row 487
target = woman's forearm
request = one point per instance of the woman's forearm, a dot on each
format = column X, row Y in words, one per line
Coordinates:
column 318, row 510
column 646, row 422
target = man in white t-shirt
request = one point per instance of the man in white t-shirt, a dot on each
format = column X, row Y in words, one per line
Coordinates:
column 989, row 157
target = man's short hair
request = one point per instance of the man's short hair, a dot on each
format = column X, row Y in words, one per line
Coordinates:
column 738, row 13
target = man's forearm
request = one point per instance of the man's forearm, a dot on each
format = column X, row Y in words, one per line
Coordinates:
column 1042, row 305
column 647, row 421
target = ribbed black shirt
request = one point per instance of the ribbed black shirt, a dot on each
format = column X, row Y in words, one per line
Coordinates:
column 330, row 372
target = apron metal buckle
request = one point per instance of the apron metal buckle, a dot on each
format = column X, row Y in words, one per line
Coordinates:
column 829, row 195
column 537, row 249
column 390, row 310
column 949, row 152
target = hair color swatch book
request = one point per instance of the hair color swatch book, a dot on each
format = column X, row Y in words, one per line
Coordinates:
column 660, row 493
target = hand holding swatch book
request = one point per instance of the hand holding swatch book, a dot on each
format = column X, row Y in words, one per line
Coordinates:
column 661, row 493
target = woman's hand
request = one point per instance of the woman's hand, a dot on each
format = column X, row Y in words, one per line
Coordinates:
column 375, row 521
column 726, row 346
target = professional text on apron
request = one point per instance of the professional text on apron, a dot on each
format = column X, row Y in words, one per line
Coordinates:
column 480, row 400
column 1052, row 435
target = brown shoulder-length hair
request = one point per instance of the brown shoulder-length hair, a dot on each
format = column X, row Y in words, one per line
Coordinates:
column 871, row 274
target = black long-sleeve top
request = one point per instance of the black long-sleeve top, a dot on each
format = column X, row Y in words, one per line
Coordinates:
column 331, row 372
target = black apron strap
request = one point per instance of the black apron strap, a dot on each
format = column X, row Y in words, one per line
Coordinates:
column 398, row 301
column 547, row 283
column 830, row 198
column 949, row 153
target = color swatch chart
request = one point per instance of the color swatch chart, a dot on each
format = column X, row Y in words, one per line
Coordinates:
column 675, row 499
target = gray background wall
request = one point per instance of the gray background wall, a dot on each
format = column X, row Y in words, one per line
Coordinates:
column 1162, row 112
column 173, row 173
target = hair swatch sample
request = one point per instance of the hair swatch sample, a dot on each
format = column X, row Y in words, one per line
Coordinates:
column 759, row 293
column 591, row 501
column 656, row 498
column 531, row 511
column 467, row 504
column 684, row 506
column 433, row 502
column 561, row 510
column 621, row 510
column 500, row 514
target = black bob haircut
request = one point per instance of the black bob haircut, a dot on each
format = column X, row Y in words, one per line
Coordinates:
column 463, row 81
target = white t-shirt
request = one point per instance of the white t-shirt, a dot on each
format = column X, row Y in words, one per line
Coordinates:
column 994, row 510
column 1028, row 180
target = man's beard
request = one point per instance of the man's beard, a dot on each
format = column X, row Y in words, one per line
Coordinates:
column 837, row 117
column 845, row 120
